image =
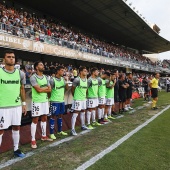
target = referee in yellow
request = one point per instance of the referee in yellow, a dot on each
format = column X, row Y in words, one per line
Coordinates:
column 154, row 90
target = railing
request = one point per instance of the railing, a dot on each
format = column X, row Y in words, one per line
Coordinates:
column 31, row 35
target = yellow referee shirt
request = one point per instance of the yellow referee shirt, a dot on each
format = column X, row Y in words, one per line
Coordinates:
column 154, row 83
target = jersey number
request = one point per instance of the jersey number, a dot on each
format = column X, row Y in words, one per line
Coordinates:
column 2, row 120
column 36, row 108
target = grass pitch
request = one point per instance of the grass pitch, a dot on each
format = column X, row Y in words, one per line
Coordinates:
column 70, row 155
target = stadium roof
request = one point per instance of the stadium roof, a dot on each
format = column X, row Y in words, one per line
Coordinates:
column 111, row 19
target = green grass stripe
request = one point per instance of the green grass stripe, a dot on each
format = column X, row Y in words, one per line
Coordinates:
column 148, row 149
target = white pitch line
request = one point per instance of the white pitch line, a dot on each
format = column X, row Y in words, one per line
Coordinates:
column 119, row 142
column 15, row 160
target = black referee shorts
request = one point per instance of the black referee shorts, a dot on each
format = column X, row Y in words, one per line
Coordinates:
column 128, row 94
column 154, row 92
column 122, row 97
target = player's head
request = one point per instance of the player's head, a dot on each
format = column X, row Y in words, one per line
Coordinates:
column 9, row 57
column 113, row 76
column 94, row 71
column 116, row 72
column 39, row 66
column 105, row 75
column 60, row 71
column 83, row 71
column 129, row 75
column 122, row 76
column 157, row 75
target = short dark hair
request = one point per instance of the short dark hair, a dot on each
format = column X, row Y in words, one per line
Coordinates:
column 7, row 52
column 127, row 74
column 121, row 75
column 156, row 73
column 107, row 73
column 36, row 64
column 93, row 69
column 59, row 68
column 114, row 71
column 82, row 68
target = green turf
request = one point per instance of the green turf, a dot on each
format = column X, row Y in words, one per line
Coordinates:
column 148, row 149
column 69, row 155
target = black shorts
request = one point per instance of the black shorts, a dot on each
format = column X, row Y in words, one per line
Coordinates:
column 116, row 97
column 154, row 92
column 122, row 97
column 128, row 94
column 146, row 90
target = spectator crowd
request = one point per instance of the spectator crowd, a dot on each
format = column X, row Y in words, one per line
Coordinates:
column 47, row 29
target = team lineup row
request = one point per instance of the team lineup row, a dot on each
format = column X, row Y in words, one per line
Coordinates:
column 95, row 95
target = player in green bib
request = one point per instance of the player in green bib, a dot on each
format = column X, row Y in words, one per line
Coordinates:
column 102, row 96
column 12, row 92
column 57, row 105
column 79, row 89
column 110, row 96
column 40, row 107
column 92, row 98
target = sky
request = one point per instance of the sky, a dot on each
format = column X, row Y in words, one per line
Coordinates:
column 156, row 12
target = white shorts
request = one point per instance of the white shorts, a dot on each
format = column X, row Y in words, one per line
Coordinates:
column 102, row 101
column 79, row 105
column 10, row 116
column 109, row 101
column 92, row 103
column 39, row 109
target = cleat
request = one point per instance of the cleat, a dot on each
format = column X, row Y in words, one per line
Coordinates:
column 45, row 138
column 33, row 144
column 52, row 136
column 101, row 122
column 18, row 153
column 154, row 108
column 114, row 114
column 73, row 132
column 84, row 128
column 90, row 127
column 106, row 120
column 120, row 111
column 96, row 124
column 62, row 133
column 126, row 109
column 130, row 108
column 110, row 117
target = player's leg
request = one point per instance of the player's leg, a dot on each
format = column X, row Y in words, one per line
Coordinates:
column 33, row 131
column 1, row 134
column 16, row 122
column 53, row 109
column 110, row 109
column 76, row 106
column 44, row 112
column 100, row 114
column 60, row 120
column 90, row 106
column 43, row 125
column 101, row 108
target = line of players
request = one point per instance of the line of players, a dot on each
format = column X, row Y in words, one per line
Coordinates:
column 95, row 95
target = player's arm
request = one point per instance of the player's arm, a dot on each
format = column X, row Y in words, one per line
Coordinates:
column 114, row 82
column 66, row 83
column 38, row 88
column 42, row 89
column 75, row 84
column 108, row 82
column 22, row 92
column 72, row 90
column 150, row 84
column 89, row 84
